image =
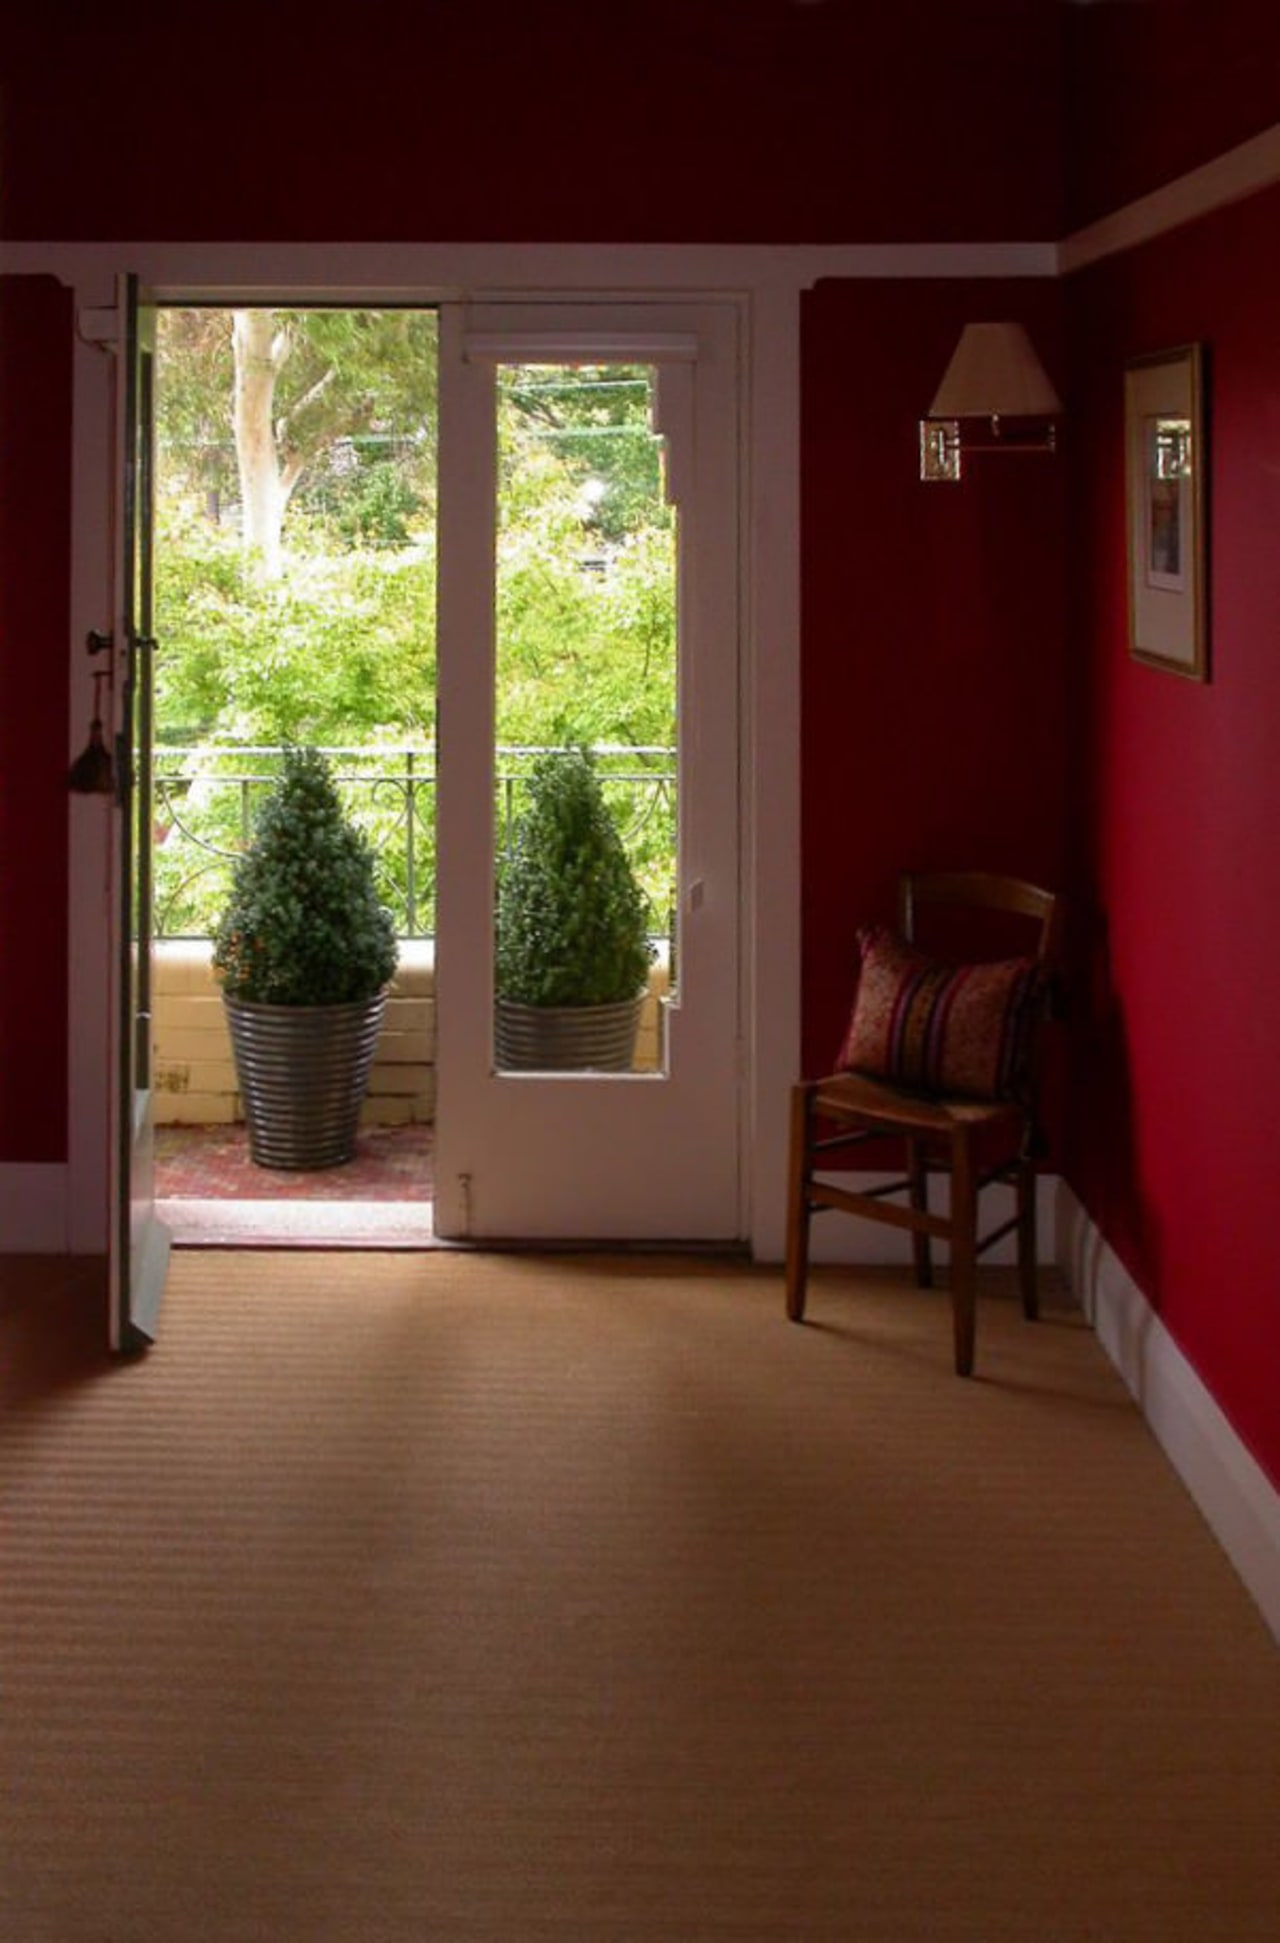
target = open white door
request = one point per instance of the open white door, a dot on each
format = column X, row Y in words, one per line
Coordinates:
column 644, row 1155
column 139, row 1242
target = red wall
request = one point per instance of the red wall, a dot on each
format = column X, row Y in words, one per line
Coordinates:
column 644, row 120
column 933, row 627
column 1176, row 815
column 35, row 525
column 1157, row 89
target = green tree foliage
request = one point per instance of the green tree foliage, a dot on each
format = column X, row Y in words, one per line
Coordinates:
column 595, row 422
column 586, row 561
column 340, row 649
column 356, row 374
column 353, row 419
column 193, row 407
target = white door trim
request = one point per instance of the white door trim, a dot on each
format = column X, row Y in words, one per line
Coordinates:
column 587, row 1156
column 770, row 282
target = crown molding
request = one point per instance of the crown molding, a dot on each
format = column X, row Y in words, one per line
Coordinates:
column 1229, row 178
column 415, row 272
column 429, row 272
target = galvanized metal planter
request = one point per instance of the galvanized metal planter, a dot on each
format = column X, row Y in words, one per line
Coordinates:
column 566, row 1039
column 303, row 1071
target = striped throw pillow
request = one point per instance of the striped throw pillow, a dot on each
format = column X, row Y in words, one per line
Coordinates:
column 941, row 1028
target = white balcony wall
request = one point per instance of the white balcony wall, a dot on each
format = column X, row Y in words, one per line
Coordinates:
column 195, row 1081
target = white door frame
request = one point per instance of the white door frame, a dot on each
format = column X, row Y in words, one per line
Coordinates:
column 139, row 1254
column 768, row 283
column 767, row 291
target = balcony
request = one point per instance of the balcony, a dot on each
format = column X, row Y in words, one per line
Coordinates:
column 205, row 800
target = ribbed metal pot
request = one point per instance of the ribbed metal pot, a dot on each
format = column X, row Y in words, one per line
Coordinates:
column 302, row 1071
column 566, row 1039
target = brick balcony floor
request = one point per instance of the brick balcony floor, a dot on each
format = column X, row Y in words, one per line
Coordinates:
column 212, row 1193
column 213, row 1164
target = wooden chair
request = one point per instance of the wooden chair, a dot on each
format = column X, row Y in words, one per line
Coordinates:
column 975, row 1141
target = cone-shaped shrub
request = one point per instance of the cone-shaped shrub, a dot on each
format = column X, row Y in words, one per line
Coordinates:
column 572, row 927
column 303, row 924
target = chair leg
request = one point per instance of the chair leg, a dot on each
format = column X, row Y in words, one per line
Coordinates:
column 1028, row 1276
column 798, row 1210
column 964, row 1251
column 921, row 1247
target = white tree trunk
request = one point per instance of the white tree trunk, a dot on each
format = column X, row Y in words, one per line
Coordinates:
column 260, row 351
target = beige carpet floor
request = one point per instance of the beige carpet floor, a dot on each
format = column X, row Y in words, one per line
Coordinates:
column 482, row 1599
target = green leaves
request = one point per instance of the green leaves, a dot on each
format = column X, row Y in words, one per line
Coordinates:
column 340, row 649
column 571, row 916
column 303, row 925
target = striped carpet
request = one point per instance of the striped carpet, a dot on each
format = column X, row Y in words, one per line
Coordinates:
column 437, row 1598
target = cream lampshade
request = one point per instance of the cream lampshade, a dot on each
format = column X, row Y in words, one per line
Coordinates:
column 994, row 374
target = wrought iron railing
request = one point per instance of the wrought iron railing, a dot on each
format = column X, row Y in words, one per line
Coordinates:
column 206, row 799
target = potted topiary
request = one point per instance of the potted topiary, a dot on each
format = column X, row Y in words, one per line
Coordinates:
column 304, row 950
column 573, row 948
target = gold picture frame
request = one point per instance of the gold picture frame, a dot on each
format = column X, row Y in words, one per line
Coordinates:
column 1165, row 470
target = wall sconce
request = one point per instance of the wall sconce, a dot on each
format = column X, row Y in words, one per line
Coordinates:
column 993, row 375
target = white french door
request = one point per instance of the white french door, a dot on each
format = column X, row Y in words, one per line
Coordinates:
column 139, row 1250
column 643, row 1155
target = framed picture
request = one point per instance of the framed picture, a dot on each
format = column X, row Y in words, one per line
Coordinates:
column 1165, row 466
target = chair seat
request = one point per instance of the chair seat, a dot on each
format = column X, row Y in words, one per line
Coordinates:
column 898, row 1110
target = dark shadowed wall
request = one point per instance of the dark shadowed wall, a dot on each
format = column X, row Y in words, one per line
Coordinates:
column 35, row 594
column 643, row 121
column 934, row 626
column 1157, row 87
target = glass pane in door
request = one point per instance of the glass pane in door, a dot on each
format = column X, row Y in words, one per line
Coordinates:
column 586, row 836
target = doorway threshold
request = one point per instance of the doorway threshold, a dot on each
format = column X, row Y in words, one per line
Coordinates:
column 366, row 1225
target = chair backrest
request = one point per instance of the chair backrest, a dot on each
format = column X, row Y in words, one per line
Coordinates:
column 978, row 890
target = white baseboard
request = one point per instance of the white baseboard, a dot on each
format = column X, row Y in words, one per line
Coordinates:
column 841, row 1238
column 1233, row 1492
column 33, row 1210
